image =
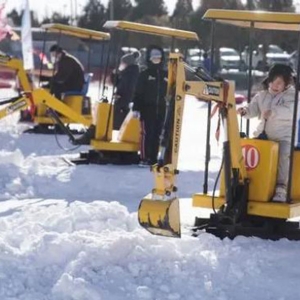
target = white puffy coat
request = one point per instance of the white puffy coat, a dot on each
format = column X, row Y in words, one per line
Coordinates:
column 278, row 127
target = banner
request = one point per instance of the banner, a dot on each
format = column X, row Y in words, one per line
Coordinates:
column 27, row 48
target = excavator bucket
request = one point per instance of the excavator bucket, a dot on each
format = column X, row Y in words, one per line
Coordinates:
column 160, row 217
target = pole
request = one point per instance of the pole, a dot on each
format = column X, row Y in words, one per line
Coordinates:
column 207, row 151
column 75, row 12
column 111, row 11
column 71, row 8
column 295, row 115
column 251, row 36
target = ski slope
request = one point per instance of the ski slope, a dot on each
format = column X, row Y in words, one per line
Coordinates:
column 71, row 232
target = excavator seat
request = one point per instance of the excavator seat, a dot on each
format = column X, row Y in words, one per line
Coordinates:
column 85, row 88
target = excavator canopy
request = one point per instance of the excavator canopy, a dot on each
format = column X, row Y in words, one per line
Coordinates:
column 257, row 19
column 76, row 31
column 151, row 29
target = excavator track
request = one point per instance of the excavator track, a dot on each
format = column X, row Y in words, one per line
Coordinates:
column 106, row 157
column 251, row 226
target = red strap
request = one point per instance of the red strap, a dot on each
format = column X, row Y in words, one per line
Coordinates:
column 32, row 106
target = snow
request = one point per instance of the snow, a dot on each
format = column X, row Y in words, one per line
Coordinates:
column 71, row 232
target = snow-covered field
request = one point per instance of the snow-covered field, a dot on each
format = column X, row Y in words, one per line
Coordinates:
column 71, row 232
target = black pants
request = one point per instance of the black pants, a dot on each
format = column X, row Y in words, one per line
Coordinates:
column 151, row 129
column 120, row 114
column 57, row 89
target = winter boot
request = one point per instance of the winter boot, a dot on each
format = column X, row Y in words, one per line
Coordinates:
column 85, row 139
column 280, row 194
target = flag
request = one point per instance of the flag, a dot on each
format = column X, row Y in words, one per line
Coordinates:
column 27, row 48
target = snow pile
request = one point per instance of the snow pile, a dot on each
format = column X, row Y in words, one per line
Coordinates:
column 54, row 250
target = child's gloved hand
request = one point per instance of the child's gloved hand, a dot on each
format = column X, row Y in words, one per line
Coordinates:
column 136, row 114
column 241, row 111
column 266, row 114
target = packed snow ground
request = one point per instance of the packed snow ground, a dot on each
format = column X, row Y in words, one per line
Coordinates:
column 71, row 232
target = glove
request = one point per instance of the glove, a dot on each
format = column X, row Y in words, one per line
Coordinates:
column 241, row 111
column 130, row 105
column 136, row 114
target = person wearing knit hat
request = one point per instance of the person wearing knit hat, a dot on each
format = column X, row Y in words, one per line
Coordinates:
column 124, row 79
column 149, row 103
column 130, row 58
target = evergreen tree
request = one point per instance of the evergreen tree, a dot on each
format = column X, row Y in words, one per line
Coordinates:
column 15, row 17
column 121, row 9
column 148, row 8
column 56, row 18
column 182, row 13
column 274, row 5
column 226, row 34
column 94, row 15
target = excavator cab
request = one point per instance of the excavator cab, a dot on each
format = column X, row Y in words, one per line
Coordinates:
column 77, row 101
column 248, row 171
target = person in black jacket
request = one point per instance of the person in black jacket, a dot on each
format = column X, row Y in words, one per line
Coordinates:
column 125, row 81
column 149, row 103
column 68, row 74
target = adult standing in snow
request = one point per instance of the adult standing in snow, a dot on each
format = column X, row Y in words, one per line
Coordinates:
column 149, row 103
column 125, row 79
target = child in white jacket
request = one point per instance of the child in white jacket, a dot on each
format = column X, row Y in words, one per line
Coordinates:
column 274, row 106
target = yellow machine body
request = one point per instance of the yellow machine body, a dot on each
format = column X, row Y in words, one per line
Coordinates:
column 40, row 96
column 16, row 65
column 74, row 102
column 104, row 139
column 130, row 131
column 296, row 176
column 261, row 159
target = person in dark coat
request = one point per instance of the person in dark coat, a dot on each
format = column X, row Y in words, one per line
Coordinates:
column 149, row 103
column 125, row 81
column 69, row 72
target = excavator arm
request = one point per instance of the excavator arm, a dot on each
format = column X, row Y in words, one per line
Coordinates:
column 159, row 211
column 17, row 65
column 39, row 96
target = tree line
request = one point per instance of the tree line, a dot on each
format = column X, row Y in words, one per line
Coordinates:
column 94, row 14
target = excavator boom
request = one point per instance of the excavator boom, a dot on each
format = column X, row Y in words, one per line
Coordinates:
column 17, row 65
column 159, row 211
column 39, row 96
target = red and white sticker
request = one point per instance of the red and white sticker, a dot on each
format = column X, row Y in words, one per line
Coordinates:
column 251, row 156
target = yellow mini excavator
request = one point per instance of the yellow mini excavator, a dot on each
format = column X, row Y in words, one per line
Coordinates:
column 122, row 146
column 41, row 99
column 249, row 166
column 77, row 101
column 107, row 146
